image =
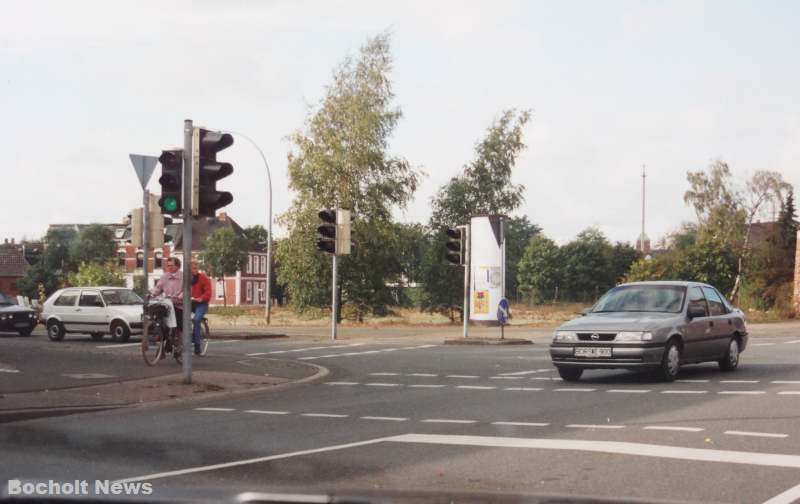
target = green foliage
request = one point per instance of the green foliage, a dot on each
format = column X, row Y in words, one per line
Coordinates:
column 224, row 253
column 257, row 237
column 443, row 283
column 94, row 244
column 96, row 274
column 39, row 276
column 139, row 286
column 540, row 269
column 518, row 233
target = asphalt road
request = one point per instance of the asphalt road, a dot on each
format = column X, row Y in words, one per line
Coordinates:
column 427, row 416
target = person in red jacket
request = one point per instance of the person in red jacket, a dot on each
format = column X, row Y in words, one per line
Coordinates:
column 201, row 295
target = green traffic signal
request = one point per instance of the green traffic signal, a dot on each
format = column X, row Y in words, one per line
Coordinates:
column 170, row 204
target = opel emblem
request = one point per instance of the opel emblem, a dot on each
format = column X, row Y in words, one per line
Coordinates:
column 595, row 337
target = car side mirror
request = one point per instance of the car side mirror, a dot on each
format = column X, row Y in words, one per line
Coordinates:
column 695, row 312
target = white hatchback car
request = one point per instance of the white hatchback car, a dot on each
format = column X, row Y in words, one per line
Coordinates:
column 93, row 310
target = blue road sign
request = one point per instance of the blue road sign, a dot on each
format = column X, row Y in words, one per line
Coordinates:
column 502, row 311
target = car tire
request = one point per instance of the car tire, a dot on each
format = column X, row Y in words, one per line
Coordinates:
column 55, row 330
column 670, row 362
column 570, row 373
column 120, row 332
column 26, row 332
column 97, row 336
column 731, row 359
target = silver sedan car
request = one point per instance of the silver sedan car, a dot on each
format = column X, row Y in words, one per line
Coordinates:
column 652, row 325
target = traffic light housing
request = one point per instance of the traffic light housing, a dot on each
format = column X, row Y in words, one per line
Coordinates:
column 206, row 198
column 326, row 232
column 171, row 181
column 454, row 254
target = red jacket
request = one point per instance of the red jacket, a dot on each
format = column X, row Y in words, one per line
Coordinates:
column 202, row 288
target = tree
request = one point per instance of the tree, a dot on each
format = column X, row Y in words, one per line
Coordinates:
column 340, row 160
column 53, row 264
column 94, row 244
column 257, row 237
column 519, row 231
column 621, row 257
column 224, row 253
column 96, row 274
column 586, row 263
column 540, row 271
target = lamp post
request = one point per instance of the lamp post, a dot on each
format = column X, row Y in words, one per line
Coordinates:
column 269, row 230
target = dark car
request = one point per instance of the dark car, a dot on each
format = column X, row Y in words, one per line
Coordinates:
column 652, row 325
column 14, row 318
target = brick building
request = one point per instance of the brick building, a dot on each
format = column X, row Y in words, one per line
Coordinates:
column 13, row 266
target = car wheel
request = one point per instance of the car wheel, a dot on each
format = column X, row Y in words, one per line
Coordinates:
column 670, row 362
column 55, row 330
column 570, row 373
column 731, row 359
column 97, row 336
column 26, row 332
column 120, row 332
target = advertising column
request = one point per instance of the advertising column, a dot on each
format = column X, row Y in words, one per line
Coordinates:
column 487, row 268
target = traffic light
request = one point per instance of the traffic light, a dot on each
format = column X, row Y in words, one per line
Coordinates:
column 454, row 253
column 205, row 197
column 326, row 232
column 171, row 181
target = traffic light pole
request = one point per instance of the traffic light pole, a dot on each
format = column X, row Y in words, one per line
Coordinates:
column 466, row 278
column 335, row 301
column 146, row 246
column 186, row 355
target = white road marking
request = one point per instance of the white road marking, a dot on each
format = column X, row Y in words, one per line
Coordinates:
column 692, row 381
column 506, row 377
column 226, row 341
column 787, row 382
column 215, row 409
column 88, row 376
column 466, row 377
column 427, row 386
column 384, row 374
column 574, row 390
column 475, row 387
column 756, row 434
column 376, row 384
column 628, row 391
column 125, row 345
column 265, row 412
column 258, row 460
column 324, row 415
column 623, row 448
column 789, row 392
column 256, row 354
column 762, row 344
column 341, row 383
column 787, row 497
column 6, row 370
column 684, row 392
column 740, row 381
column 792, row 342
column 388, row 419
column 524, row 389
column 445, row 420
column 671, row 428
column 542, row 378
column 426, row 375
column 593, row 426
column 523, row 424
column 742, row 392
column 520, row 373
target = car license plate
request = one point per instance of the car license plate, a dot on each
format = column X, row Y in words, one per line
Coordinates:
column 592, row 352
column 22, row 324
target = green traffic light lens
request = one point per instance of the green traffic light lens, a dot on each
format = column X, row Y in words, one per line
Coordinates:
column 170, row 204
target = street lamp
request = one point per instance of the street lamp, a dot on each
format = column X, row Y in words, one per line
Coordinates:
column 269, row 231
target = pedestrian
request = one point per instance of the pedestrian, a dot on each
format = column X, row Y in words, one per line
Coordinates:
column 201, row 295
column 171, row 286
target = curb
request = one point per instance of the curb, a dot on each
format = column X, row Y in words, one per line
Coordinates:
column 488, row 341
column 239, row 336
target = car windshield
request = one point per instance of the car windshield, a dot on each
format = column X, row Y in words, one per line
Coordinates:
column 642, row 298
column 121, row 297
column 5, row 300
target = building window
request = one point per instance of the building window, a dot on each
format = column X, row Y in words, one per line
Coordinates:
column 140, row 259
column 264, row 264
column 159, row 256
column 220, row 290
column 255, row 265
column 263, row 291
column 249, row 264
column 249, row 291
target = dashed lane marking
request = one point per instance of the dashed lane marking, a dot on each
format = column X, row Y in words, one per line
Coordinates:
column 684, row 391
column 595, row 426
column 6, row 370
column 523, row 389
column 789, row 392
column 265, row 412
column 742, row 392
column 523, row 424
column 447, row 420
column 506, row 377
column 125, row 345
column 215, row 409
column 425, row 375
column 792, row 342
column 740, row 381
column 692, row 381
column 475, row 387
column 787, row 382
column 342, row 383
column 385, row 374
column 756, row 434
column 376, row 384
column 762, row 344
column 574, row 390
column 428, row 385
column 465, row 377
column 384, row 418
column 628, row 391
column 673, row 428
column 324, row 415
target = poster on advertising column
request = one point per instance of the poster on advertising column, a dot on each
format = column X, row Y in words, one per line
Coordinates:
column 487, row 264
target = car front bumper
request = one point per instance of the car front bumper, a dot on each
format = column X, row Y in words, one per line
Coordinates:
column 622, row 356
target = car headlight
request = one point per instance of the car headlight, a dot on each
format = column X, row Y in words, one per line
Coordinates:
column 565, row 336
column 633, row 336
column 31, row 315
column 3, row 317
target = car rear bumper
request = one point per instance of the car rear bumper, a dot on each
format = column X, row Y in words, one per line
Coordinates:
column 628, row 356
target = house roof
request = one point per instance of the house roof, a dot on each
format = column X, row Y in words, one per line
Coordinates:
column 12, row 261
column 202, row 227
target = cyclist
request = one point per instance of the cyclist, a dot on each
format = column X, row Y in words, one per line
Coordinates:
column 171, row 285
column 201, row 295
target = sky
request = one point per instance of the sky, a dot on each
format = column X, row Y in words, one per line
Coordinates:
column 612, row 86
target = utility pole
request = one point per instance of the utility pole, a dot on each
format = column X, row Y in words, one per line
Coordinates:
column 641, row 237
column 467, row 263
column 188, row 159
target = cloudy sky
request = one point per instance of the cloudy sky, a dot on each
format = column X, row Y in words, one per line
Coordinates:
column 612, row 85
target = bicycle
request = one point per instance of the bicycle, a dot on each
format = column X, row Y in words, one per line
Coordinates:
column 160, row 339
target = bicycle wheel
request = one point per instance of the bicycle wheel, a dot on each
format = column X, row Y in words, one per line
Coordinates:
column 153, row 345
column 204, row 335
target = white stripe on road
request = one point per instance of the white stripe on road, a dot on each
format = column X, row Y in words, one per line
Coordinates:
column 740, row 381
column 787, row 382
column 789, row 392
column 692, row 381
column 215, row 409
column 506, row 377
column 475, row 387
column 593, row 426
column 6, row 370
column 324, row 415
column 376, row 384
column 466, row 377
column 341, row 383
column 520, row 373
column 684, row 392
column 671, row 428
column 256, row 354
column 522, row 424
column 762, row 344
column 756, row 434
column 742, row 392
column 265, row 412
column 445, row 420
column 628, row 391
column 623, row 448
column 427, row 375
column 787, row 497
column 792, row 342
column 386, row 418
column 574, row 390
column 427, row 386
column 524, row 389
column 384, row 374
column 119, row 346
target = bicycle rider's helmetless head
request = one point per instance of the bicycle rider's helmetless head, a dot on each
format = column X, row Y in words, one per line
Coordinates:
column 195, row 267
column 173, row 264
